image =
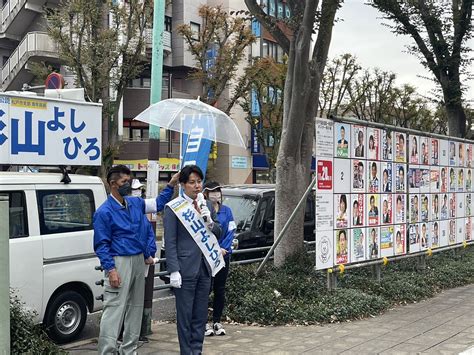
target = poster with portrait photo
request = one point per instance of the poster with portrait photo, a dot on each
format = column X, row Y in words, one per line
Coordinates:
column 453, row 231
column 373, row 243
column 443, row 152
column 468, row 180
column 387, row 145
column 400, row 239
column 358, row 244
column 452, row 178
column 373, row 177
column 400, row 208
column 373, row 143
column 373, row 209
column 386, row 203
column 424, row 150
column 460, row 207
column 414, row 238
column 461, row 183
column 342, row 140
column 468, row 229
column 425, row 179
column 453, row 158
column 387, row 177
column 386, row 241
column 443, row 176
column 414, row 179
column 469, row 155
column 443, row 233
column 434, row 151
column 324, row 249
column 434, row 237
column 342, row 211
column 424, row 235
column 452, row 206
column 400, row 147
column 341, row 246
column 461, row 154
column 414, row 208
column 461, row 227
column 424, row 207
column 435, row 207
column 357, row 209
column 358, row 142
column 444, row 209
column 358, row 175
column 342, row 175
column 414, row 149
column 468, row 204
column 434, row 179
column 400, row 178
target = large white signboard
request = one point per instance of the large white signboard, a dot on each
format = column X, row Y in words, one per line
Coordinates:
column 41, row 131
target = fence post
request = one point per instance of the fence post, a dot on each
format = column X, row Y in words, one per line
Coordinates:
column 377, row 272
column 331, row 280
column 422, row 262
column 4, row 277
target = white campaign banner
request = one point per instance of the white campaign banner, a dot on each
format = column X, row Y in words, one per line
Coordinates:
column 44, row 131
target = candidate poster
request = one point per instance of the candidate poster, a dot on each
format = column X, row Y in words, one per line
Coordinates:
column 324, row 249
column 434, row 151
column 324, row 212
column 400, row 239
column 424, row 236
column 324, row 138
column 469, row 155
column 386, row 241
column 413, row 147
column 341, row 211
column 341, row 246
column 425, row 205
column 400, row 177
column 400, row 208
column 400, row 147
column 373, row 145
column 373, row 176
column 468, row 205
column 342, row 140
column 358, row 175
column 373, row 204
column 324, row 175
column 435, row 210
column 342, row 175
column 452, row 206
column 358, row 212
column 468, row 180
column 468, row 229
column 452, row 231
column 373, row 243
column 453, row 159
column 425, row 179
column 414, row 238
column 452, row 180
column 443, row 179
column 460, row 172
column 414, row 208
column 434, row 240
column 434, row 179
column 444, row 210
column 443, row 152
column 387, row 145
column 358, row 142
column 358, row 247
column 414, row 179
column 387, row 203
column 461, row 154
column 387, row 177
column 424, row 150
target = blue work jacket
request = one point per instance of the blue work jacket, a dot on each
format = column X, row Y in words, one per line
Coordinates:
column 226, row 220
column 121, row 230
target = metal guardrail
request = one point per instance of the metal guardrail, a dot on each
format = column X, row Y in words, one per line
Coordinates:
column 8, row 8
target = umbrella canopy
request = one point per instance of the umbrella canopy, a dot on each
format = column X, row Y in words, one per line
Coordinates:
column 188, row 116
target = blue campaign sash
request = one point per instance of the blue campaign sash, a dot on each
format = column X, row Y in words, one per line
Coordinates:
column 196, row 227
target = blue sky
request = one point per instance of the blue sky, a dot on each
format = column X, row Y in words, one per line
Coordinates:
column 360, row 32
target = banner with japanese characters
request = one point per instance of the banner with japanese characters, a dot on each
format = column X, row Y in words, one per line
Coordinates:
column 382, row 192
column 44, row 131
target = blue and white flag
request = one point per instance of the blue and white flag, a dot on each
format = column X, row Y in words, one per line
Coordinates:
column 195, row 149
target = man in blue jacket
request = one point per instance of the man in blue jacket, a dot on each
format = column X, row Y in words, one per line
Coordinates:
column 124, row 248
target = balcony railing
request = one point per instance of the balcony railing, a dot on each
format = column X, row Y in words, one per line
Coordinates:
column 8, row 8
column 166, row 39
column 33, row 44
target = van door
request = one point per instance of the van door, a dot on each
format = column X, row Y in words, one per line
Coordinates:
column 26, row 249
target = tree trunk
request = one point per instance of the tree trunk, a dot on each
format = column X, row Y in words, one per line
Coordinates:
column 456, row 120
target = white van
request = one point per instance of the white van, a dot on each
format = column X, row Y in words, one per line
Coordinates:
column 52, row 261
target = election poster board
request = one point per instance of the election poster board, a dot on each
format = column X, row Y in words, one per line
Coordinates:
column 44, row 131
column 382, row 192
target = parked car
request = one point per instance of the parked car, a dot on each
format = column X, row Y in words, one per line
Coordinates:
column 253, row 207
column 52, row 261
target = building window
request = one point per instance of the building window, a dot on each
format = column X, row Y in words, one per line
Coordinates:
column 270, row 49
column 196, row 30
column 168, row 23
column 18, row 216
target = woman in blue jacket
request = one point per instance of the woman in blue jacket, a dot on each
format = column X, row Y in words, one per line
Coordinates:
column 212, row 192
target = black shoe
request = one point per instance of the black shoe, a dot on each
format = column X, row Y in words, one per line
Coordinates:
column 143, row 339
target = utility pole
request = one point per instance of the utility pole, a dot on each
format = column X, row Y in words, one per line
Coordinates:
column 154, row 143
column 4, row 277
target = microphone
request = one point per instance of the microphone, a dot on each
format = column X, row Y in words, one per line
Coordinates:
column 201, row 203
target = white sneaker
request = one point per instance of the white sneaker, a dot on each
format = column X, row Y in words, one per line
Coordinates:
column 219, row 329
column 209, row 330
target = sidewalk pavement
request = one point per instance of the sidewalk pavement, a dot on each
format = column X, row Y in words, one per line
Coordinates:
column 441, row 325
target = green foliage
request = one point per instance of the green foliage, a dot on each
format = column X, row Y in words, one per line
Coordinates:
column 25, row 335
column 297, row 294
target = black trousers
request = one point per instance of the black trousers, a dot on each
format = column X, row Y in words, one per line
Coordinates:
column 218, row 286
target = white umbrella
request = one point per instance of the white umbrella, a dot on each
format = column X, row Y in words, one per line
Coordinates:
column 186, row 115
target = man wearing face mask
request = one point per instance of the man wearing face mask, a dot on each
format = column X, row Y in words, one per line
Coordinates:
column 212, row 192
column 124, row 250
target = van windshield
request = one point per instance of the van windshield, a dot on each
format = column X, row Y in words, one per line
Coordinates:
column 243, row 208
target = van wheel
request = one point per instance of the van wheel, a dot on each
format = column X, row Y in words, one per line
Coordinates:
column 66, row 317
